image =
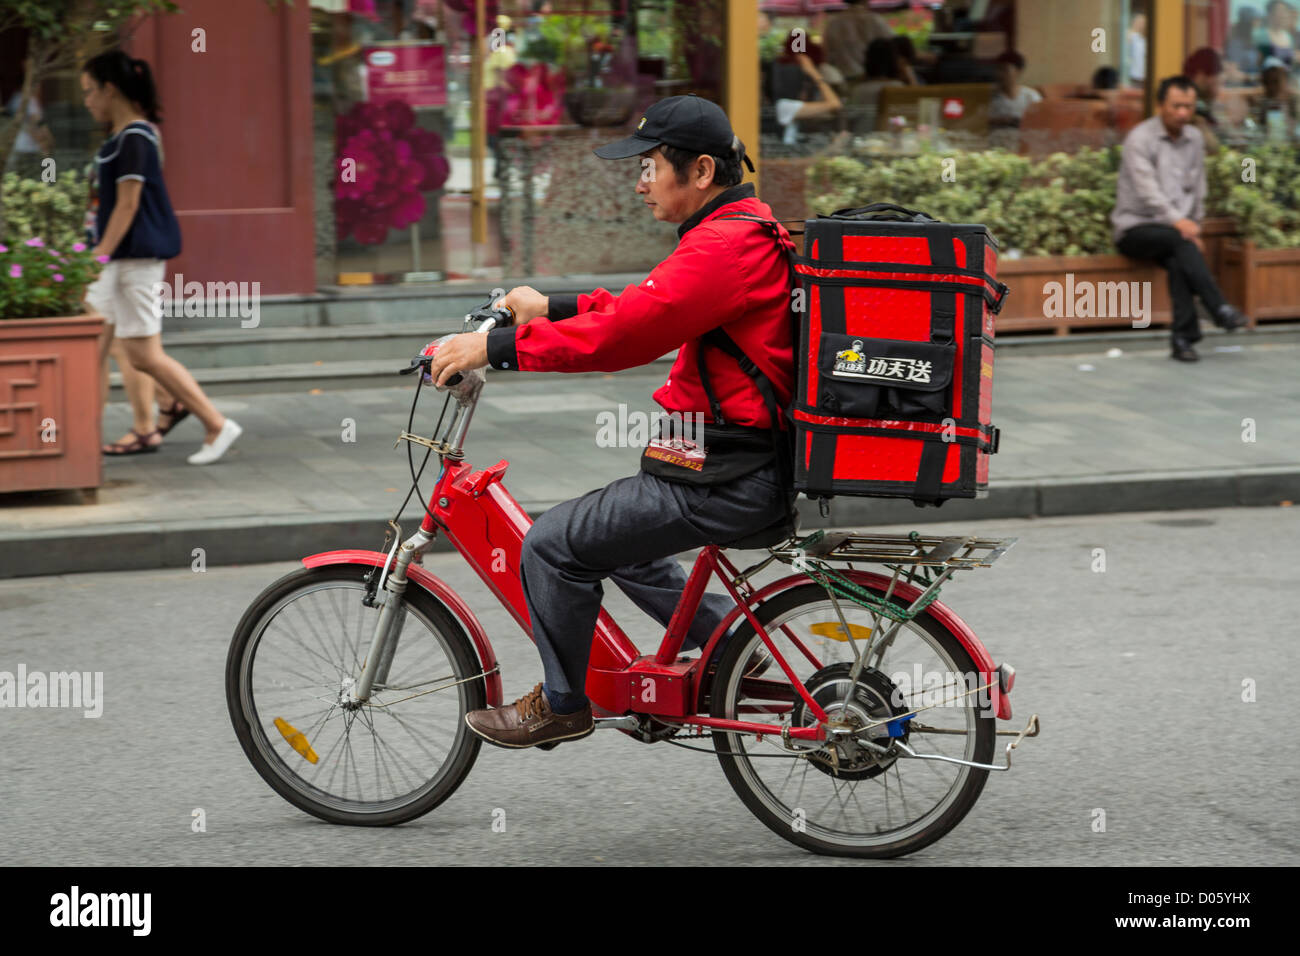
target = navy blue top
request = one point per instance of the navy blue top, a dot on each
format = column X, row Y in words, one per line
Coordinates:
column 134, row 154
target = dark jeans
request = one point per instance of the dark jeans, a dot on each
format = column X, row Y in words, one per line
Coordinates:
column 1188, row 274
column 629, row 531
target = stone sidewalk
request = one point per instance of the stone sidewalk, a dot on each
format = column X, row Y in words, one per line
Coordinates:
column 1081, row 433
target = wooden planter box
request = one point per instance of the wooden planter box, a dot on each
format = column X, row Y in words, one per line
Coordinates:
column 50, row 376
column 1263, row 283
column 1028, row 278
column 1025, row 308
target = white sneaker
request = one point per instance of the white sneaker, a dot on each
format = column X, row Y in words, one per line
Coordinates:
column 211, row 451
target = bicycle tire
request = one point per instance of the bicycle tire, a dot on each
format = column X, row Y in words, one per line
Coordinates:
column 742, row 646
column 277, row 769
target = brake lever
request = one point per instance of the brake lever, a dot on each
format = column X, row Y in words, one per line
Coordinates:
column 423, row 362
column 417, row 362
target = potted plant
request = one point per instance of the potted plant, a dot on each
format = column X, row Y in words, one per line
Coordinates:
column 601, row 91
column 1261, row 266
column 50, row 385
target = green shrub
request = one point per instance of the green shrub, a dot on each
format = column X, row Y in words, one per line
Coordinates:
column 45, row 265
column 54, row 211
column 1267, row 209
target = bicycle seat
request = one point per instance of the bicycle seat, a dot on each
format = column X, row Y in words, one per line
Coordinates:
column 774, row 533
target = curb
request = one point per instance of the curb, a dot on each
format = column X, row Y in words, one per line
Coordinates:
column 232, row 541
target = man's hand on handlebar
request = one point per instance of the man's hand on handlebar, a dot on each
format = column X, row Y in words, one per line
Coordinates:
column 460, row 353
column 526, row 302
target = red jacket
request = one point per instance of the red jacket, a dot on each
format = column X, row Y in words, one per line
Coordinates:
column 722, row 273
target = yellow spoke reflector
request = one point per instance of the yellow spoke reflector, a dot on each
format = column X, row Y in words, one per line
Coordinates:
column 296, row 740
column 834, row 630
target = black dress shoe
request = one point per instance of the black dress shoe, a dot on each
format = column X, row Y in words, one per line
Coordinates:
column 1229, row 319
column 1185, row 353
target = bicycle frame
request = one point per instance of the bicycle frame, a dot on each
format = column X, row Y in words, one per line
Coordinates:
column 486, row 525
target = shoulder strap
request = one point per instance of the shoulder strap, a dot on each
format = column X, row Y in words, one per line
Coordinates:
column 719, row 338
column 782, row 436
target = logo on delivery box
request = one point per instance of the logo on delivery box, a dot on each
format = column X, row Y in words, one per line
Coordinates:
column 953, row 108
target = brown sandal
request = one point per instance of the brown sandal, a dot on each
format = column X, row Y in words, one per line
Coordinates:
column 178, row 413
column 138, row 447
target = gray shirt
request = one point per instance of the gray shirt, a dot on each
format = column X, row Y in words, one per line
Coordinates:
column 1161, row 179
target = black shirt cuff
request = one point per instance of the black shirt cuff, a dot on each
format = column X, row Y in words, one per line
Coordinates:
column 501, row 349
column 561, row 307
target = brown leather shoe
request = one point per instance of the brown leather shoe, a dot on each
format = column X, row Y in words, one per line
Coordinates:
column 529, row 722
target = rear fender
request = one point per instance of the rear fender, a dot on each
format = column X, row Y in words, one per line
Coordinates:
column 443, row 594
column 988, row 672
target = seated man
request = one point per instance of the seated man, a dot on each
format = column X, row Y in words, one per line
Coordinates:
column 729, row 275
column 1159, row 202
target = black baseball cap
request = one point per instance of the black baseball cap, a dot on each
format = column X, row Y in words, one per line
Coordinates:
column 687, row 122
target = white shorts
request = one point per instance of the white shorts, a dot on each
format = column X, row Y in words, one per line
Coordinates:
column 125, row 295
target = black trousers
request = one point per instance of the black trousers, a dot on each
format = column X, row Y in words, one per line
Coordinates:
column 1188, row 274
column 628, row 532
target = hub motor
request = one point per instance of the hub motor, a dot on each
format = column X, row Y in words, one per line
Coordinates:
column 874, row 698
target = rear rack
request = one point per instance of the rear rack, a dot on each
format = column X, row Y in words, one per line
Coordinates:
column 913, row 549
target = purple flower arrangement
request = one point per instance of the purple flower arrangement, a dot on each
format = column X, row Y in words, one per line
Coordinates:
column 40, row 281
column 385, row 165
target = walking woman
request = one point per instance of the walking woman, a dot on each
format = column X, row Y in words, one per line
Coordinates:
column 136, row 228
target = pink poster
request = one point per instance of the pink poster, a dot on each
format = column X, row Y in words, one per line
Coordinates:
column 415, row 75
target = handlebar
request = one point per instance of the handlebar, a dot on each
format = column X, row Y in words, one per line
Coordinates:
column 488, row 318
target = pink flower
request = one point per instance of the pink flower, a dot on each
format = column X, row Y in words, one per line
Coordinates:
column 78, row 247
column 102, row 259
column 409, row 209
column 369, row 232
column 58, row 277
column 4, row 248
column 35, row 241
column 15, row 271
column 436, row 171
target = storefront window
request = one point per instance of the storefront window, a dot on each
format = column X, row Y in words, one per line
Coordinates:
column 890, row 76
column 957, row 106
column 1242, row 54
column 395, row 154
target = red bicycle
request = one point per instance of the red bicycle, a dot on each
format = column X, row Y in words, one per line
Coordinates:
column 852, row 712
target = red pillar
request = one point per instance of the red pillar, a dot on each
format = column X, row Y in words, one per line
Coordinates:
column 237, row 138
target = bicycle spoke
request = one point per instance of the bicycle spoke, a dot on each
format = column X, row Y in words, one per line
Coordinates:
column 899, row 800
column 323, row 635
column 345, row 759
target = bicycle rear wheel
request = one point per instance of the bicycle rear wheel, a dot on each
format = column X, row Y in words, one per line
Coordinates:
column 858, row 802
column 297, row 652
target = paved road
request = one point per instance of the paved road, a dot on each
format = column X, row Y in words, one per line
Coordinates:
column 1136, row 673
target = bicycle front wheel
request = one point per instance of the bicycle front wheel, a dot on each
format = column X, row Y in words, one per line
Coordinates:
column 858, row 801
column 295, row 656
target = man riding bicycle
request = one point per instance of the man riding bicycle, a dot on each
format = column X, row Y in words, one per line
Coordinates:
column 726, row 274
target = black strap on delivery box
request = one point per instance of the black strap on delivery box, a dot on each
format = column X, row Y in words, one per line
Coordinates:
column 782, row 427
